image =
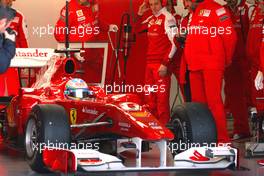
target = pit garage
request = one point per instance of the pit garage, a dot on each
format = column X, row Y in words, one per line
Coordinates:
column 75, row 102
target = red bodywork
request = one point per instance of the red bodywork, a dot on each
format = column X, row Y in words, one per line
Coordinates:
column 125, row 111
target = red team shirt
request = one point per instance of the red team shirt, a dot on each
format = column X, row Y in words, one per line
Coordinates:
column 161, row 47
column 203, row 50
column 83, row 22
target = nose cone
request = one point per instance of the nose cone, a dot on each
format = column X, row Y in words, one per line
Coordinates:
column 149, row 128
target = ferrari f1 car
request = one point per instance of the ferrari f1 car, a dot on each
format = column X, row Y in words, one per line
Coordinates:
column 68, row 125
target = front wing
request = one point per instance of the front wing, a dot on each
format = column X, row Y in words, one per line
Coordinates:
column 70, row 161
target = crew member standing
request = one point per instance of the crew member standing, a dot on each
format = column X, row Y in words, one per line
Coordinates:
column 10, row 79
column 208, row 50
column 235, row 74
column 160, row 51
column 253, row 46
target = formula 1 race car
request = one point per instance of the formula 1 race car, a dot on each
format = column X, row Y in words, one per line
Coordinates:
column 67, row 124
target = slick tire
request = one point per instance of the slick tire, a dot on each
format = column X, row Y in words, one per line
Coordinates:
column 193, row 125
column 48, row 124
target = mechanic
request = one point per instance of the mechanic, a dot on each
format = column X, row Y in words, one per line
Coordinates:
column 177, row 65
column 7, row 38
column 84, row 26
column 207, row 53
column 10, row 78
column 235, row 74
column 253, row 47
column 160, row 51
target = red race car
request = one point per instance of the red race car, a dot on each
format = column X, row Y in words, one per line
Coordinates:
column 66, row 124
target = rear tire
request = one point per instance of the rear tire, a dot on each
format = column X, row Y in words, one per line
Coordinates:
column 46, row 125
column 193, row 125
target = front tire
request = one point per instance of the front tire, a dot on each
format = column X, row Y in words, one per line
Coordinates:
column 193, row 125
column 47, row 125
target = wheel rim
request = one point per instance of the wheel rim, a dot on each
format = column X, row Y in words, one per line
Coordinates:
column 31, row 137
column 180, row 134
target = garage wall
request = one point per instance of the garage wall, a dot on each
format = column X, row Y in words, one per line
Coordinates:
column 40, row 13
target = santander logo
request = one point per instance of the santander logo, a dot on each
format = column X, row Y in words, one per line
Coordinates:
column 31, row 53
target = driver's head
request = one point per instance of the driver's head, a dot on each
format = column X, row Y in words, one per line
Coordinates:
column 7, row 2
column 77, row 89
column 7, row 14
column 191, row 5
column 155, row 6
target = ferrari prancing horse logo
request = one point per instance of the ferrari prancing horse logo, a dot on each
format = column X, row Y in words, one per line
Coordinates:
column 73, row 116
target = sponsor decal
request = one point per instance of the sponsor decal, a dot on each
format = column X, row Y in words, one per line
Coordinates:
column 73, row 115
column 79, row 13
column 130, row 106
column 220, row 11
column 31, row 53
column 155, row 126
column 89, row 111
column 81, row 18
column 201, row 12
column 206, row 13
column 223, row 18
column 140, row 114
column 158, row 22
column 161, row 132
column 124, row 126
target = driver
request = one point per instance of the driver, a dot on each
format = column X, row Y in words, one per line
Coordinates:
column 77, row 89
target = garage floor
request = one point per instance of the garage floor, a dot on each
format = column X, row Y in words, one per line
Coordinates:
column 12, row 163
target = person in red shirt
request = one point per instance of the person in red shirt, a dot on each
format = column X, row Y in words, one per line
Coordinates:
column 10, row 80
column 235, row 82
column 160, row 51
column 84, row 26
column 253, row 47
column 208, row 50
